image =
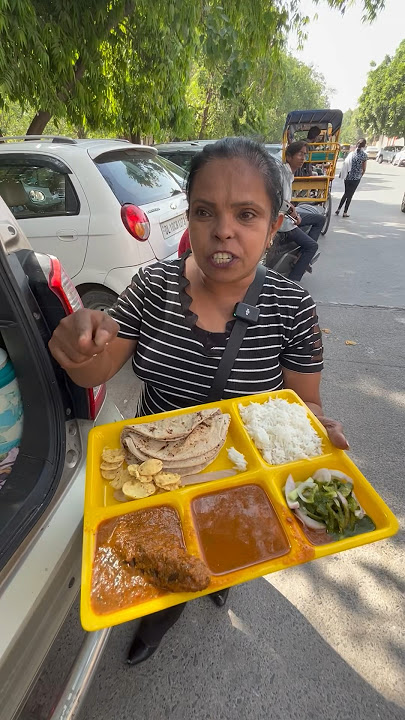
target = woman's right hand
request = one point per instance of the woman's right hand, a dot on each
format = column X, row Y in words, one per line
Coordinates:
column 81, row 336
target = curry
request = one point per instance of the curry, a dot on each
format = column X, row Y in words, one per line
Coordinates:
column 237, row 527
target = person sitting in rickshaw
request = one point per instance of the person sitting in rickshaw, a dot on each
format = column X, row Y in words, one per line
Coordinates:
column 295, row 157
column 314, row 136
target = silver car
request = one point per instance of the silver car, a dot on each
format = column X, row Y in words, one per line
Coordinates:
column 387, row 153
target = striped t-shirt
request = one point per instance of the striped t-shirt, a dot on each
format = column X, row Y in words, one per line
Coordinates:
column 177, row 360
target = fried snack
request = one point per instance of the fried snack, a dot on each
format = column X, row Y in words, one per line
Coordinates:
column 110, row 474
column 134, row 471
column 110, row 465
column 167, row 481
column 110, row 455
column 136, row 490
column 150, row 467
column 122, row 477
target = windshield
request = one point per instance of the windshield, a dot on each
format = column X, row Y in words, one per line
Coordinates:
column 137, row 177
column 180, row 175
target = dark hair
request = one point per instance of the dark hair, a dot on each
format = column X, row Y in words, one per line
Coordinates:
column 295, row 148
column 313, row 132
column 361, row 143
column 245, row 149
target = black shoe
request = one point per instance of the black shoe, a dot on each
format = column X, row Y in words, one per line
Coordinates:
column 220, row 597
column 139, row 651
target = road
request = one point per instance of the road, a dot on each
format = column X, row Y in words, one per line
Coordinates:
column 324, row 641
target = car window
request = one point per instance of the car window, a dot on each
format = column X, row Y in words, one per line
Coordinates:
column 136, row 177
column 183, row 159
column 180, row 175
column 32, row 191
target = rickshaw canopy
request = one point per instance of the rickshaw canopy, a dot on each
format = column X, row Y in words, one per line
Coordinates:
column 319, row 118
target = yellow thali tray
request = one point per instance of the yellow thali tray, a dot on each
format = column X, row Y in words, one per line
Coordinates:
column 100, row 505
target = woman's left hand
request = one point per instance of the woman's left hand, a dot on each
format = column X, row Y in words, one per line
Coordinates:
column 334, row 428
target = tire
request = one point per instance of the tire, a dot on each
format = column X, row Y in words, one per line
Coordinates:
column 98, row 299
column 328, row 213
column 380, row 159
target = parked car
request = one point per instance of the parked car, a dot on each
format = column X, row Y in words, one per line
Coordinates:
column 41, row 496
column 105, row 208
column 181, row 153
column 275, row 149
column 387, row 153
column 372, row 152
column 399, row 158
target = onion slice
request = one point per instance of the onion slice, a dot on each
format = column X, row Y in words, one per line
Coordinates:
column 289, row 487
column 309, row 522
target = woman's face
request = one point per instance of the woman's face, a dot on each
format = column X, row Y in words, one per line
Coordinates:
column 229, row 219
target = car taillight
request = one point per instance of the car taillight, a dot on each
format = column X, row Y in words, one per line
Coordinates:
column 62, row 286
column 136, row 222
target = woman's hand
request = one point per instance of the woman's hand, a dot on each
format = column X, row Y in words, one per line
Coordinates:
column 81, row 336
column 334, row 428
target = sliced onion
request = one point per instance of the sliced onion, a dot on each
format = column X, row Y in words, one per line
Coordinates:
column 360, row 513
column 309, row 522
column 289, row 487
column 337, row 475
column 323, row 475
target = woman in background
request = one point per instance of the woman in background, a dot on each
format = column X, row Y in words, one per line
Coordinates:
column 352, row 171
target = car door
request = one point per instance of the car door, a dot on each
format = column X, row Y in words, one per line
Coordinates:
column 49, row 203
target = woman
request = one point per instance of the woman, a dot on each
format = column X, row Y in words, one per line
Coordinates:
column 352, row 171
column 175, row 318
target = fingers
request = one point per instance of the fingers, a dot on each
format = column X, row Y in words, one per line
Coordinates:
column 334, row 429
column 81, row 336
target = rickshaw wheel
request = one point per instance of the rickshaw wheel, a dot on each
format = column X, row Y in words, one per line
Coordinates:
column 328, row 213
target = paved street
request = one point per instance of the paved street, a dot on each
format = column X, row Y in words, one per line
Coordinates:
column 325, row 641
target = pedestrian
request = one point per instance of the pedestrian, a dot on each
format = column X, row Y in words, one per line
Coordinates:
column 352, row 171
column 175, row 318
column 308, row 242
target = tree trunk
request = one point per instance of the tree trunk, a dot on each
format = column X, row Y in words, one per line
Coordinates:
column 204, row 118
column 136, row 138
column 39, row 123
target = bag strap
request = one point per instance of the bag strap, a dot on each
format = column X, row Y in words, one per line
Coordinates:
column 236, row 338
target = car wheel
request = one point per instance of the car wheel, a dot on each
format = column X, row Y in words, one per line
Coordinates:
column 380, row 159
column 98, row 299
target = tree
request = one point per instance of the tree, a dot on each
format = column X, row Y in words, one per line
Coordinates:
column 351, row 129
column 382, row 102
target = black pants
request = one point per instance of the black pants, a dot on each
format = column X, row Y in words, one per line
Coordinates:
column 154, row 627
column 350, row 188
column 308, row 246
column 315, row 220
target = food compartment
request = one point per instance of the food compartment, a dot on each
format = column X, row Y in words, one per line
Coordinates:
column 296, row 434
column 100, row 493
column 383, row 522
column 237, row 527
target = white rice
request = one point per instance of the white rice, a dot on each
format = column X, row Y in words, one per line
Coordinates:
column 237, row 459
column 281, row 431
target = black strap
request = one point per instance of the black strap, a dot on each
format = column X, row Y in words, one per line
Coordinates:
column 235, row 339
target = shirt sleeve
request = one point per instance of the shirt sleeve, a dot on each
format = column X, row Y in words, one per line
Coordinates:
column 128, row 309
column 304, row 352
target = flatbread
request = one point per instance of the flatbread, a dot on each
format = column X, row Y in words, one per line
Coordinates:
column 171, row 429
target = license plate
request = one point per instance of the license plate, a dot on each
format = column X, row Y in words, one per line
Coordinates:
column 173, row 226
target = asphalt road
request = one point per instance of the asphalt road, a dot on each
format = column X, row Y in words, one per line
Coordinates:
column 325, row 641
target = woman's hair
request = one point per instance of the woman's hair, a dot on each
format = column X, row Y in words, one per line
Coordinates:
column 313, row 132
column 295, row 147
column 361, row 143
column 244, row 149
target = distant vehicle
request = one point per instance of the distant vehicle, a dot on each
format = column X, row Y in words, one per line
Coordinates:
column 181, row 153
column 372, row 152
column 387, row 153
column 275, row 149
column 403, row 204
column 105, row 208
column 399, row 158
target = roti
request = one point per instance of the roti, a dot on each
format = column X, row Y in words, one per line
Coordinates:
column 171, row 429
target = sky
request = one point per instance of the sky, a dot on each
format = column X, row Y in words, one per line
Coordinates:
column 342, row 47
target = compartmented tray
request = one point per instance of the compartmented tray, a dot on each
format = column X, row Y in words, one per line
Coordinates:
column 294, row 546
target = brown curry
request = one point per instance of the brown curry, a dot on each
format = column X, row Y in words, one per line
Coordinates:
column 238, row 527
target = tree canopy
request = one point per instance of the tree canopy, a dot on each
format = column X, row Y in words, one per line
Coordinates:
column 382, row 102
column 124, row 65
column 351, row 130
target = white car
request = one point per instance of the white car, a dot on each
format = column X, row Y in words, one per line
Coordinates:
column 387, row 153
column 399, row 158
column 105, row 208
column 372, row 152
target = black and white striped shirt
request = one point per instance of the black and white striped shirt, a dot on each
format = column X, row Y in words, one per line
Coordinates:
column 177, row 360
